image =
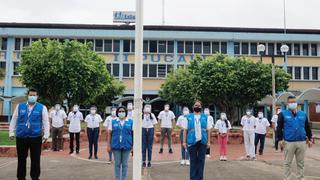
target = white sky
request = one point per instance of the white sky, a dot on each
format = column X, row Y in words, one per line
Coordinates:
column 302, row 14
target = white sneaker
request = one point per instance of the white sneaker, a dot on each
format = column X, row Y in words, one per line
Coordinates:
column 208, row 156
column 187, row 162
column 182, row 162
column 224, row 158
column 221, row 158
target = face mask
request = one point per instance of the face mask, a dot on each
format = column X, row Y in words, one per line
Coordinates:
column 32, row 99
column 75, row 108
column 260, row 115
column 129, row 106
column 93, row 111
column 166, row 108
column 185, row 112
column 292, row 106
column 279, row 111
column 223, row 117
column 197, row 109
column 147, row 110
column 206, row 112
column 57, row 107
column 122, row 114
column 248, row 113
column 113, row 113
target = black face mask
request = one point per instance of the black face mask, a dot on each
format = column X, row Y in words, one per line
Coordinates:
column 197, row 109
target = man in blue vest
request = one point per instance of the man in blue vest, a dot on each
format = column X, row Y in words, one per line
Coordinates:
column 30, row 125
column 197, row 130
column 293, row 133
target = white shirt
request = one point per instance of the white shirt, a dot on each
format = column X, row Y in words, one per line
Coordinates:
column 221, row 126
column 166, row 118
column 149, row 120
column 261, row 125
column 93, row 121
column 210, row 119
column 57, row 118
column 75, row 121
column 118, row 120
column 108, row 120
column 197, row 126
column 181, row 120
column 248, row 123
column 275, row 120
column 45, row 121
column 130, row 115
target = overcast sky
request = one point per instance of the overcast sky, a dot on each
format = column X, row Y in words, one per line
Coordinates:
column 301, row 14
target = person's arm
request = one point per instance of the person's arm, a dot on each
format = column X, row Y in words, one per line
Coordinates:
column 308, row 129
column 13, row 123
column 64, row 118
column 184, row 128
column 209, row 126
column 109, row 138
column 267, row 126
column 280, row 126
column 45, row 123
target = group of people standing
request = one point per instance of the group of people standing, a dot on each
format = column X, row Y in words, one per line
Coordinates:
column 30, row 125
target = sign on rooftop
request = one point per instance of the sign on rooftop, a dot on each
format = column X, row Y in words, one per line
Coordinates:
column 124, row 16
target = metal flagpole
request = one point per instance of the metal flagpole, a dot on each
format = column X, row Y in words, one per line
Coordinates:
column 138, row 91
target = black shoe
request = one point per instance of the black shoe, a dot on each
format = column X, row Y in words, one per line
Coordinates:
column 149, row 164
column 70, row 152
column 144, row 164
column 170, row 151
column 260, row 153
column 90, row 157
column 161, row 151
column 96, row 157
column 77, row 152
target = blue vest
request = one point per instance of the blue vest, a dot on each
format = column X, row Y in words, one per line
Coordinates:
column 29, row 125
column 294, row 126
column 191, row 134
column 122, row 136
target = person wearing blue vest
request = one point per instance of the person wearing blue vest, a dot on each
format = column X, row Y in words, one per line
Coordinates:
column 30, row 126
column 293, row 133
column 120, row 142
column 197, row 130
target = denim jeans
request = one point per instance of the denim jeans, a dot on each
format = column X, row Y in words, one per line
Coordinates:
column 121, row 157
column 197, row 154
column 93, row 136
column 147, row 143
column 184, row 152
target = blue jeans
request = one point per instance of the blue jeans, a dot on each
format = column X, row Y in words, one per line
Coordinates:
column 110, row 156
column 197, row 159
column 93, row 136
column 121, row 162
column 184, row 152
column 147, row 142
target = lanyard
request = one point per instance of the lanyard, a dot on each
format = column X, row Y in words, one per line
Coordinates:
column 29, row 113
column 120, row 131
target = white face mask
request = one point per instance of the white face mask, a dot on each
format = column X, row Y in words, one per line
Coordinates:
column 129, row 107
column 75, row 108
column 248, row 113
column 147, row 110
column 207, row 112
column 223, row 116
column 57, row 107
column 293, row 106
column 166, row 108
column 279, row 111
column 113, row 113
column 93, row 111
column 185, row 112
column 260, row 115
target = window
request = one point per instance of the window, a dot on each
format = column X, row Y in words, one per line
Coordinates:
column 290, row 49
column 279, row 48
column 15, row 68
column 305, row 49
column 236, row 48
column 132, row 70
column 81, row 40
column 152, row 70
column 2, row 65
column 189, row 47
column 145, row 70
column 245, row 48
column 17, row 44
column 170, row 47
column 289, row 71
column 116, row 45
column 132, row 45
column 25, row 42
column 314, row 50
column 253, row 48
column 215, row 47
column 296, row 49
column 98, row 45
column 315, row 73
column 145, row 46
column 34, row 40
column 126, row 46
column 206, row 47
column 180, row 47
column 107, row 45
column 306, row 73
column 181, row 66
column 162, row 46
column 115, row 69
column 162, row 70
column 270, row 48
column 153, row 46
column 169, row 68
column 297, row 73
column 198, row 47
column 109, row 68
column 126, row 71
column 3, row 44
column 223, row 47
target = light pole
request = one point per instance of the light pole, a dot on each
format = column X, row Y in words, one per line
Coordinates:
column 284, row 49
column 138, row 91
column 261, row 48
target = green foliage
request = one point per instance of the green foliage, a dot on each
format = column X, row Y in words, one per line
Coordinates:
column 68, row 70
column 224, row 81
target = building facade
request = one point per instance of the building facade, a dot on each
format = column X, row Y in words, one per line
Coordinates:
column 166, row 48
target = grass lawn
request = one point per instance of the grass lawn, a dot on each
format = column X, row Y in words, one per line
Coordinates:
column 4, row 138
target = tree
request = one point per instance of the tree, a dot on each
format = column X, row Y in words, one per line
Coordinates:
column 66, row 70
column 227, row 82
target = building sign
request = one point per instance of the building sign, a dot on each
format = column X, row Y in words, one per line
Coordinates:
column 124, row 16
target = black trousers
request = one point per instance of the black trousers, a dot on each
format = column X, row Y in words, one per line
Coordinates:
column 77, row 141
column 261, row 138
column 23, row 146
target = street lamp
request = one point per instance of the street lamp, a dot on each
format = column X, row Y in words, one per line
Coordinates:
column 261, row 48
column 284, row 49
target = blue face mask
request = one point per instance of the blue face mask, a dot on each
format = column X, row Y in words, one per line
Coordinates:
column 32, row 99
column 122, row 114
column 292, row 106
